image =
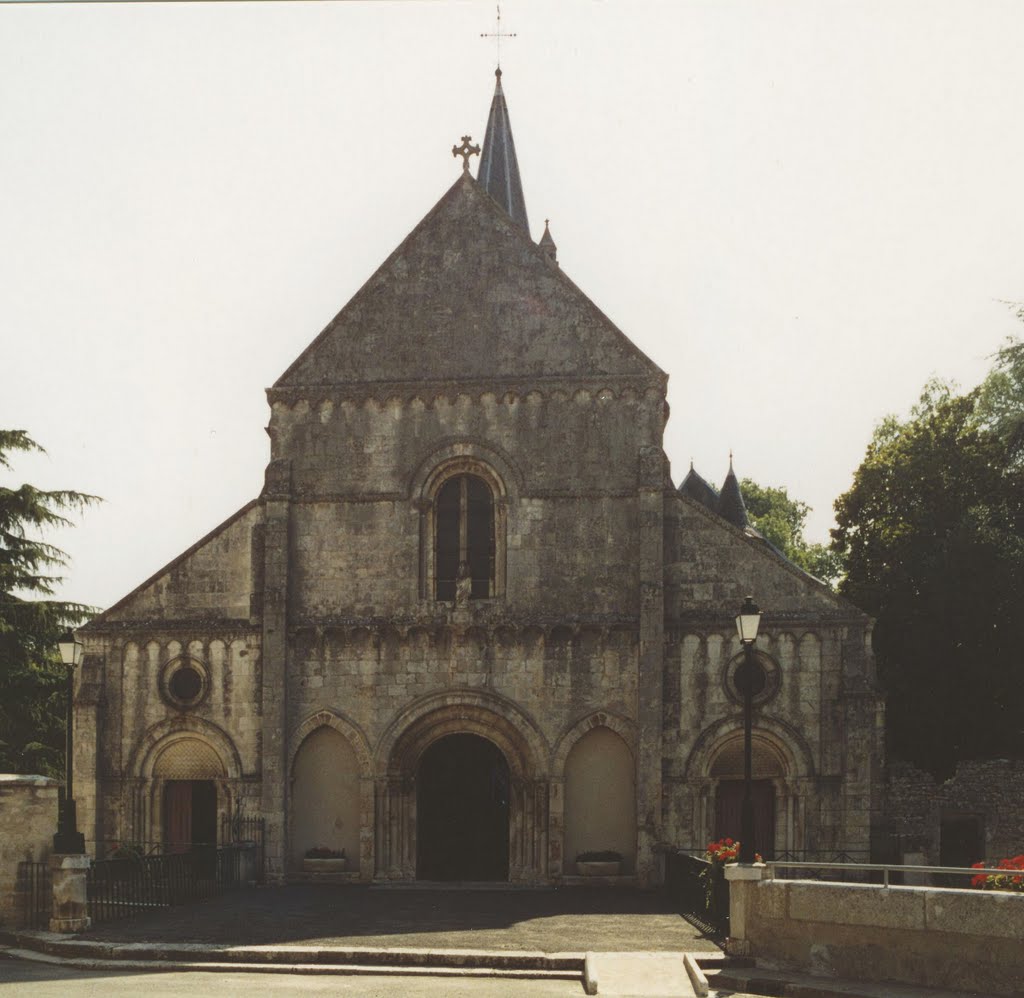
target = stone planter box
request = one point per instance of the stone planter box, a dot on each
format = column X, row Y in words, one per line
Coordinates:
column 599, row 869
column 339, row 865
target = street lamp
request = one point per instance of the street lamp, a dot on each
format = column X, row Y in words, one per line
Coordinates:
column 747, row 622
column 69, row 840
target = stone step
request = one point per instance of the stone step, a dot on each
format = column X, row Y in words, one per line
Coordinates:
column 637, row 975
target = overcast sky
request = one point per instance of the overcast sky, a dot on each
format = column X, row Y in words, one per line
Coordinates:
column 800, row 210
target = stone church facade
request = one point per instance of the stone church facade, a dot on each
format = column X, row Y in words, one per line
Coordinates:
column 470, row 628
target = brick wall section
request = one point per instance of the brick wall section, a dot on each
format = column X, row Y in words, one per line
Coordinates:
column 28, row 819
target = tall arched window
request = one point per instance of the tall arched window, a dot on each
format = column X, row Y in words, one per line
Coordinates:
column 464, row 538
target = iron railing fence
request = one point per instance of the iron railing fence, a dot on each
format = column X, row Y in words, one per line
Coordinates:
column 881, row 874
column 245, row 830
column 700, row 890
column 34, row 895
column 118, row 888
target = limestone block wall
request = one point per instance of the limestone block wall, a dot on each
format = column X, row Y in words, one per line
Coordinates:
column 566, row 459
column 555, row 676
column 28, row 820
column 965, row 940
column 213, row 579
column 818, row 734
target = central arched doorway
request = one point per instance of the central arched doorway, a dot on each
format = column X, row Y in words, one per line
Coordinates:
column 462, row 795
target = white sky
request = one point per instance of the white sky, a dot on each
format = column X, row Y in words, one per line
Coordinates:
column 801, row 210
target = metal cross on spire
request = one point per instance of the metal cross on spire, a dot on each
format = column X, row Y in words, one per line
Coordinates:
column 498, row 34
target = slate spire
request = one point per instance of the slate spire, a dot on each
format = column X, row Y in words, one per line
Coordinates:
column 730, row 500
column 499, row 169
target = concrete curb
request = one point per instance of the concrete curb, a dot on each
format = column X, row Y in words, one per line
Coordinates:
column 696, row 975
column 67, row 947
column 213, row 966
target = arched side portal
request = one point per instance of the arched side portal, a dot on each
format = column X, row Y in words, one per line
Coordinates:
column 782, row 781
column 768, row 772
column 185, row 799
column 406, row 747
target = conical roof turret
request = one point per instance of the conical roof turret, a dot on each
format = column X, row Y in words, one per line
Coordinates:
column 731, row 506
column 499, row 169
column 695, row 487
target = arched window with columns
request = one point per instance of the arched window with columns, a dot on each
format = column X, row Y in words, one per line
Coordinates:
column 464, row 538
column 463, row 513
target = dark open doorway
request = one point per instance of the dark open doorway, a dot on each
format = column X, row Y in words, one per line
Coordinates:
column 462, row 811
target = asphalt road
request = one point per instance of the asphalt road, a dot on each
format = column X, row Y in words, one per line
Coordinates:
column 33, row 980
column 19, row 978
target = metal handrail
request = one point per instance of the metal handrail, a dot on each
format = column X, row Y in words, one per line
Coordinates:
column 970, row 871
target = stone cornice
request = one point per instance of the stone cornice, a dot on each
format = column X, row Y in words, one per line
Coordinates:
column 487, row 618
column 689, row 622
column 567, row 495
column 503, row 390
column 176, row 625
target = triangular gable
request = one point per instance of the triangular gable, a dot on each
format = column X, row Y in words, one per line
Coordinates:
column 211, row 580
column 467, row 296
column 711, row 565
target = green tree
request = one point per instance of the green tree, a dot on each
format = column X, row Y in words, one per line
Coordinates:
column 932, row 535
column 1001, row 398
column 32, row 705
column 781, row 519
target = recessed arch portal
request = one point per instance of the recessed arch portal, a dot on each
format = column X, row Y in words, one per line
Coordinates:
column 462, row 810
column 504, row 737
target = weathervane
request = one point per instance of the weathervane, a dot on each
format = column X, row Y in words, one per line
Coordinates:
column 498, row 34
column 465, row 151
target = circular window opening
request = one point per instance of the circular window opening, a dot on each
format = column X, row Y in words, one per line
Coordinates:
column 186, row 684
column 764, row 678
column 751, row 673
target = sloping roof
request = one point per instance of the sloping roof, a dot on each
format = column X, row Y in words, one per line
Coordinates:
column 467, row 296
column 499, row 168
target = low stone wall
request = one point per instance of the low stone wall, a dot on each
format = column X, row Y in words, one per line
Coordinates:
column 967, row 940
column 28, row 819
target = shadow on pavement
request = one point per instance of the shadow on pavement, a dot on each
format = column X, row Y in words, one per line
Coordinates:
column 563, row 920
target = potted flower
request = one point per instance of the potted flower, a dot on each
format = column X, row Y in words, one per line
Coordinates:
column 716, row 888
column 1012, row 880
column 323, row 859
column 599, row 863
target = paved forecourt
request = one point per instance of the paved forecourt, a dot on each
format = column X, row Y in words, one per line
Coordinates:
column 549, row 921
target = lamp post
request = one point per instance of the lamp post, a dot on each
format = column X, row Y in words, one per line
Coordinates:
column 747, row 622
column 69, row 840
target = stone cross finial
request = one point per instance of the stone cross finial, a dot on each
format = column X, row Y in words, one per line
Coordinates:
column 465, row 151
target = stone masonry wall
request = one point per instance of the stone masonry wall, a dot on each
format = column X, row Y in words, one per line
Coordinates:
column 28, row 820
column 993, row 789
column 568, row 462
column 555, row 677
column 127, row 729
